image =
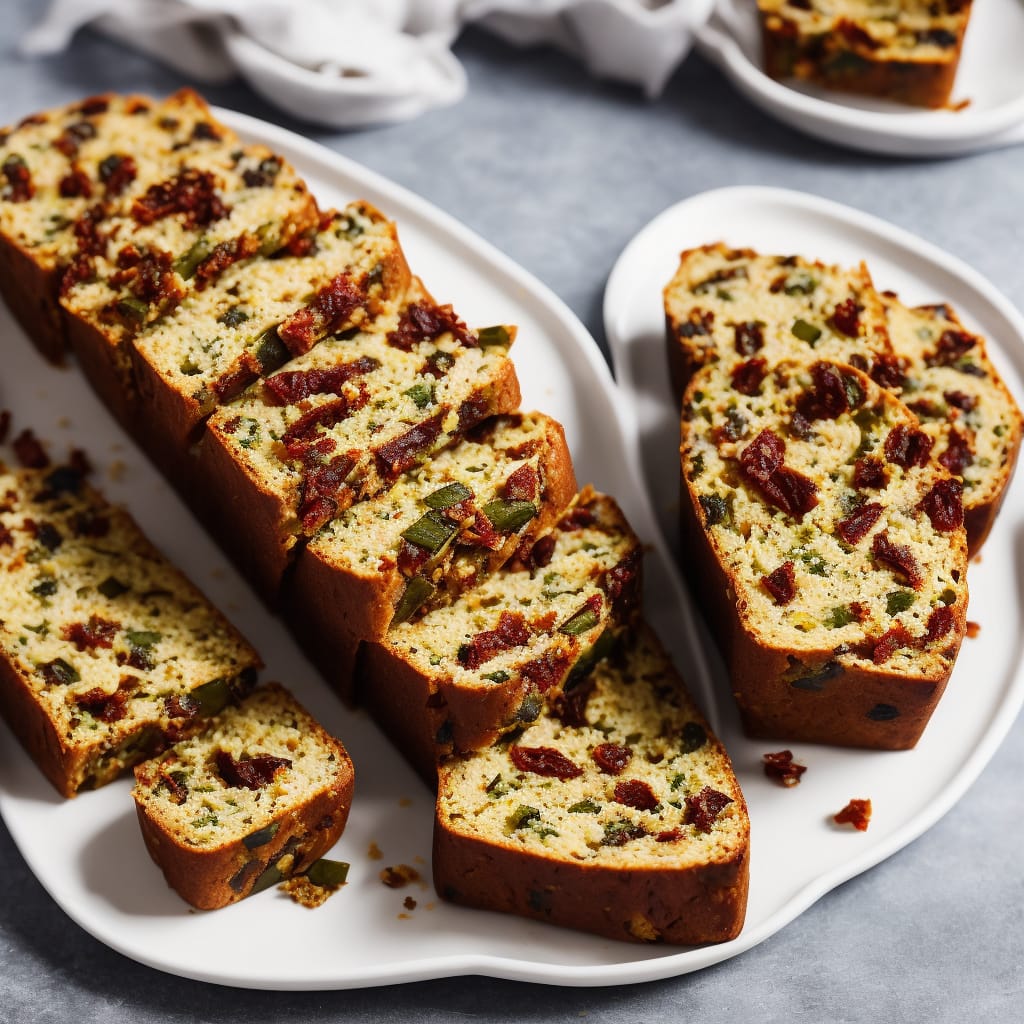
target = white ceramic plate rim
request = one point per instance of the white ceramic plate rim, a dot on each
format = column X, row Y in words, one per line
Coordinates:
column 900, row 131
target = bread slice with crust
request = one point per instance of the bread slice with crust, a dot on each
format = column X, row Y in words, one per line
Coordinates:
column 261, row 795
column 830, row 551
column 440, row 530
column 615, row 812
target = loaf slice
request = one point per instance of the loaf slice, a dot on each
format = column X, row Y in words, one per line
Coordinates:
column 441, row 529
column 829, row 549
column 63, row 168
column 964, row 406
column 907, row 51
column 734, row 304
column 211, row 211
column 464, row 674
column 342, row 423
column 615, row 812
column 256, row 316
column 262, row 794
column 107, row 653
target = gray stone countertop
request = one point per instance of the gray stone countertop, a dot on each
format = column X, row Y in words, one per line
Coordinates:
column 560, row 172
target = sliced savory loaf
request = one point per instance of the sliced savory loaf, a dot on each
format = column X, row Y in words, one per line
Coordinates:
column 952, row 387
column 442, row 528
column 342, row 423
column 902, row 50
column 107, row 653
column 830, row 549
column 259, row 796
column 62, row 169
column 464, row 674
column 616, row 812
column 210, row 211
column 734, row 305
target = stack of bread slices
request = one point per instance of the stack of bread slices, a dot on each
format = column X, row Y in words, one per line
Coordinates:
column 359, row 451
column 842, row 456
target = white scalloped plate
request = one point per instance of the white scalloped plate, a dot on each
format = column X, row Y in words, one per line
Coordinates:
column 88, row 854
column 990, row 76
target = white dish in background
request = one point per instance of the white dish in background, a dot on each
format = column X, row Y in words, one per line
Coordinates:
column 991, row 76
column 797, row 853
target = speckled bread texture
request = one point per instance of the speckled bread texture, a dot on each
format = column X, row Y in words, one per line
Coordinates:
column 462, row 675
column 215, row 207
column 902, row 50
column 259, row 314
column 635, row 829
column 259, row 796
column 440, row 530
column 342, row 423
column 107, row 653
column 60, row 169
column 735, row 304
column 830, row 550
column 952, row 386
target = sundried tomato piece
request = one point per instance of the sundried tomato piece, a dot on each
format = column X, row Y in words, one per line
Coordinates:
column 70, row 140
column 224, row 255
column 944, row 505
column 29, row 450
column 958, row 454
column 635, row 793
column 570, row 706
column 887, row 372
column 117, row 172
column 781, row 583
column 412, row 558
column 182, row 706
column 292, row 386
column 670, row 835
column 781, row 767
column 940, row 623
column 522, row 484
column 401, row 453
column 960, row 400
column 749, row 337
column 328, row 312
column 511, row 631
column 541, row 552
column 97, row 632
column 831, row 395
column 578, row 518
column 748, row 375
column 75, row 184
column 792, row 492
column 612, row 758
column 86, row 230
column 19, row 179
column 622, row 582
column 703, row 808
column 973, row 629
column 423, row 321
column 699, row 324
column 249, row 772
column 94, row 105
column 321, row 486
column 763, row 456
column 846, row 318
column 894, row 639
column 547, row 670
column 869, row 473
column 544, row 761
column 856, row 813
column 952, row 346
column 108, row 707
column 326, row 416
column 898, row 557
column 856, row 526
column 191, row 193
column 906, row 446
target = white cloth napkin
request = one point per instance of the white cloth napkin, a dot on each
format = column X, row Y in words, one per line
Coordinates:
column 354, row 62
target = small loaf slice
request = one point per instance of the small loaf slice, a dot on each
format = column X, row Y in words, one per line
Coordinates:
column 261, row 795
column 107, row 653
column 61, row 169
column 259, row 314
column 830, row 550
column 342, row 423
column 953, row 388
column 734, row 304
column 902, row 50
column 615, row 812
column 443, row 527
column 464, row 674
column 211, row 211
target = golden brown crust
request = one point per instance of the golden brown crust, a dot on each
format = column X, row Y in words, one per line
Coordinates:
column 30, row 291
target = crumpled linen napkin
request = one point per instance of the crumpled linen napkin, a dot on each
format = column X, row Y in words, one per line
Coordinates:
column 353, row 62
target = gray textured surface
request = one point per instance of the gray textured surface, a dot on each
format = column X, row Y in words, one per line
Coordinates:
column 560, row 172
